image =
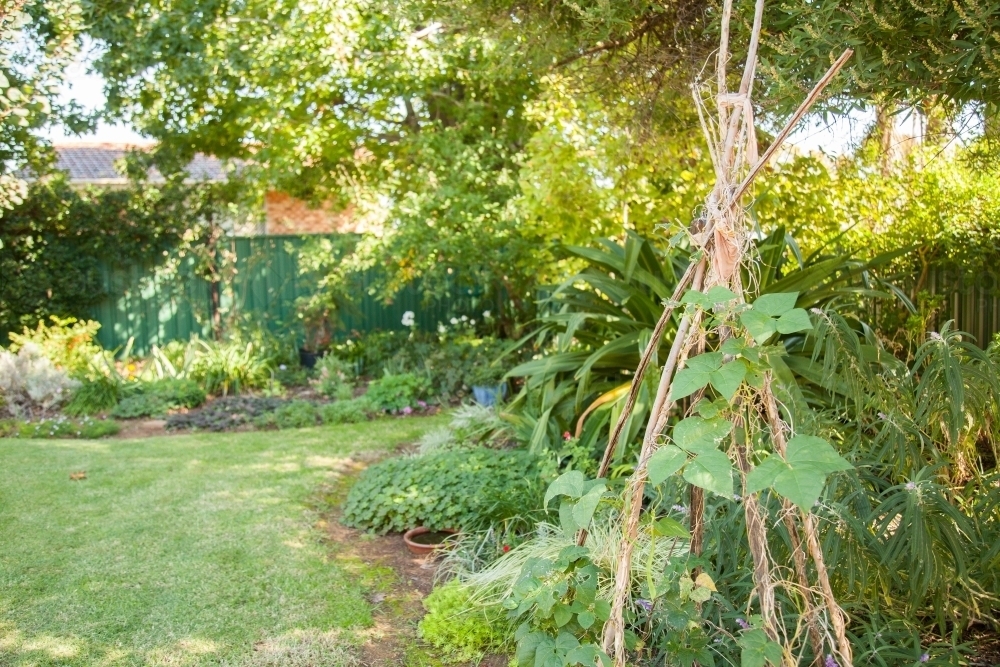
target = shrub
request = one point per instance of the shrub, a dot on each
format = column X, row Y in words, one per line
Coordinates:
column 345, row 412
column 335, row 377
column 225, row 368
column 225, row 413
column 294, row 414
column 140, row 405
column 395, row 392
column 450, row 489
column 150, row 399
column 30, row 383
column 60, row 427
column 93, row 396
column 461, row 630
column 68, row 343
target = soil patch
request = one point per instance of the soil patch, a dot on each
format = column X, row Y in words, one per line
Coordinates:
column 143, row 428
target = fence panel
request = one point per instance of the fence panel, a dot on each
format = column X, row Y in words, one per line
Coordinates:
column 972, row 300
column 153, row 310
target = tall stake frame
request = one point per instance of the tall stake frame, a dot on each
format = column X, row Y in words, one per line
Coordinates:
column 724, row 243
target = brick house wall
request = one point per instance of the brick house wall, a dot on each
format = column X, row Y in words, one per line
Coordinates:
column 99, row 164
column 284, row 214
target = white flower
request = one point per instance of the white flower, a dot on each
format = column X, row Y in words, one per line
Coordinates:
column 454, row 320
column 408, row 319
column 283, row 367
column 442, row 329
column 486, row 314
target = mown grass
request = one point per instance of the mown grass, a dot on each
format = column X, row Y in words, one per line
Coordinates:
column 182, row 550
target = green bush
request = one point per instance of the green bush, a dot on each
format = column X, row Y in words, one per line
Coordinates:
column 294, row 414
column 150, row 399
column 93, row 396
column 395, row 392
column 335, row 377
column 461, row 631
column 67, row 343
column 229, row 368
column 345, row 412
column 175, row 392
column 60, row 427
column 450, row 489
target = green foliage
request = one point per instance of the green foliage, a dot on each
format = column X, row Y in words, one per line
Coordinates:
column 584, row 496
column 461, row 490
column 38, row 42
column 396, row 392
column 598, row 321
column 230, row 367
column 335, row 377
column 67, row 342
column 945, row 50
column 226, row 413
column 350, row 411
column 460, row 630
column 55, row 242
column 293, row 414
column 94, row 396
column 563, row 617
column 60, row 427
column 151, row 399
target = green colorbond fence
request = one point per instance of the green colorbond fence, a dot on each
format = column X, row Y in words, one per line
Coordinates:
column 267, row 284
column 153, row 311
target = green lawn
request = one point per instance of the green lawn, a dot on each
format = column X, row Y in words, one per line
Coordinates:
column 182, row 550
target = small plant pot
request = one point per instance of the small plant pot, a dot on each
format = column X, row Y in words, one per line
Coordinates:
column 487, row 396
column 308, row 358
column 423, row 541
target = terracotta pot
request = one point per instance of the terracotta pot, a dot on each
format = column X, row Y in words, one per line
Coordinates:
column 422, row 549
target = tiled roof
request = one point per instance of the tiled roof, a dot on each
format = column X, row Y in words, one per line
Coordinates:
column 99, row 164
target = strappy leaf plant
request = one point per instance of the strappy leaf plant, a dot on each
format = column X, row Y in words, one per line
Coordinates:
column 598, row 322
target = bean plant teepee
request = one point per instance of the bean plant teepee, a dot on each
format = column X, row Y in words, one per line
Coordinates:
column 720, row 361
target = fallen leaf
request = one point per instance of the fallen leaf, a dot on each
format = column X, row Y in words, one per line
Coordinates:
column 76, row 476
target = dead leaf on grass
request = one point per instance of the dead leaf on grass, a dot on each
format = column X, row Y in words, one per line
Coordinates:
column 77, row 476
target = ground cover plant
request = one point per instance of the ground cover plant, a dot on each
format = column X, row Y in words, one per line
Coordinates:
column 445, row 490
column 398, row 392
column 194, row 549
column 225, row 413
column 156, row 398
column 84, row 428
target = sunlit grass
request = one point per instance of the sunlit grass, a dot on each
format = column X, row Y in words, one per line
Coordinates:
column 183, row 550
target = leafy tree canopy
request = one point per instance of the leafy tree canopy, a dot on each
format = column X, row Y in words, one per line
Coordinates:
column 38, row 40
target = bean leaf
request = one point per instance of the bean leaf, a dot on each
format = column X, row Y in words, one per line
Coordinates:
column 712, row 471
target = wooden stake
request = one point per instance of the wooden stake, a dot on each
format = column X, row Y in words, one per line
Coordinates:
column 796, row 117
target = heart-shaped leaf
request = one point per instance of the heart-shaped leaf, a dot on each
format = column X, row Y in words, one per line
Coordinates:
column 667, row 527
column 712, row 471
column 729, row 377
column 775, row 305
column 802, row 485
column 794, row 321
column 568, row 484
column 664, row 462
column 815, row 452
column 760, row 325
column 698, row 433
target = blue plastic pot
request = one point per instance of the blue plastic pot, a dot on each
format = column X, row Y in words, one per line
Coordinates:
column 487, row 396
